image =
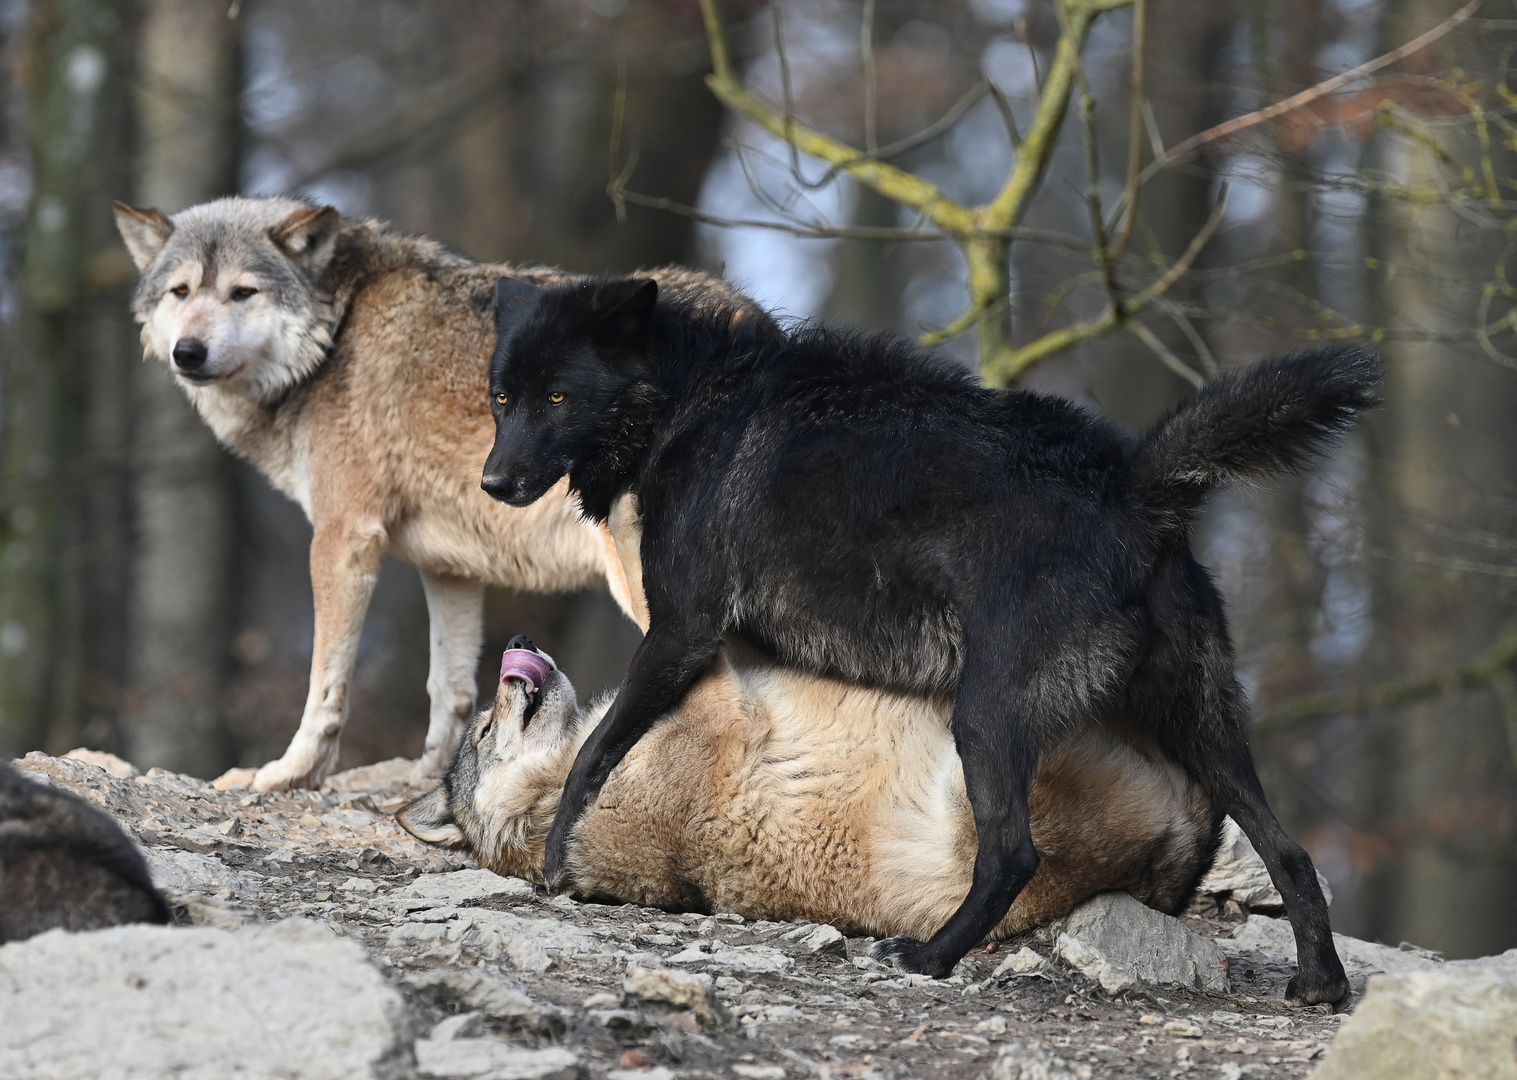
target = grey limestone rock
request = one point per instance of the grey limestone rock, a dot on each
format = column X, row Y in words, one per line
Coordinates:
column 1240, row 872
column 280, row 1001
column 491, row 1059
column 463, row 887
column 1142, row 943
column 1460, row 1021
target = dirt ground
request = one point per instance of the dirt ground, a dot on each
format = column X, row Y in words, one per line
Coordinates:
column 337, row 856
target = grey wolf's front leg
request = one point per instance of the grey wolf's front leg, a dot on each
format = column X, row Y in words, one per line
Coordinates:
column 455, row 611
column 344, row 567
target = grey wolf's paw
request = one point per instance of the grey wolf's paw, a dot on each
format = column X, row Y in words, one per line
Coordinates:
column 1325, row 991
column 909, row 954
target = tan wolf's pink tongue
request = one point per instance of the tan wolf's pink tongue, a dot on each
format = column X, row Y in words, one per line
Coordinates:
column 526, row 665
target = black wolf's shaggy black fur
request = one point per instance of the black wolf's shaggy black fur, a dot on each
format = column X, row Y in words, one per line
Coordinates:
column 865, row 510
column 65, row 864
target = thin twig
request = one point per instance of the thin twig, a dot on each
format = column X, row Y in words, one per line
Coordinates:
column 866, row 43
column 1129, row 206
column 954, row 114
column 787, row 96
column 1101, row 253
column 1136, row 328
column 1007, row 118
column 616, row 180
column 806, row 231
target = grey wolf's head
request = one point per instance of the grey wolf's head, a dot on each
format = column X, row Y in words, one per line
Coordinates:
column 564, row 360
column 230, row 291
column 499, row 794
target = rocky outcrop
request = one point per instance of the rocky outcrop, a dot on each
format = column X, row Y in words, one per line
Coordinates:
column 418, row 964
column 290, row 999
column 1120, row 943
column 1455, row 1021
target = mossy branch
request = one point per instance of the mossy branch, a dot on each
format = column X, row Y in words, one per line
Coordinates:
column 1492, row 668
column 981, row 231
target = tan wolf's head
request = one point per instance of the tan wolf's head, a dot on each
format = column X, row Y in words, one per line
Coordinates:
column 230, row 292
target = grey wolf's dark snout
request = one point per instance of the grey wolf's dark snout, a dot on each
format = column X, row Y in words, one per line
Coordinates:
column 521, row 641
column 190, row 354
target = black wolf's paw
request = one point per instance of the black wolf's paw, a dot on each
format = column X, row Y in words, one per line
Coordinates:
column 1330, row 991
column 555, row 872
column 909, row 954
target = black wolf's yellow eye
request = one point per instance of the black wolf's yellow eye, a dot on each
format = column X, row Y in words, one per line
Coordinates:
column 555, row 398
column 242, row 292
column 500, row 399
column 180, row 291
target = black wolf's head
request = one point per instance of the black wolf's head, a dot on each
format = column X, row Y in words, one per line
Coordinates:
column 565, row 359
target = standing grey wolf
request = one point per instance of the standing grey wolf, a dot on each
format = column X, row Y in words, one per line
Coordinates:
column 862, row 510
column 782, row 795
column 347, row 362
column 65, row 864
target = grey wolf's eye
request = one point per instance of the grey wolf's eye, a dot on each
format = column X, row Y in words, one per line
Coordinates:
column 500, row 399
column 180, row 291
column 242, row 292
column 555, row 398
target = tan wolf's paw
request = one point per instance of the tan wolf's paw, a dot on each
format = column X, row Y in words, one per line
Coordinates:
column 283, row 775
column 428, row 767
column 234, row 778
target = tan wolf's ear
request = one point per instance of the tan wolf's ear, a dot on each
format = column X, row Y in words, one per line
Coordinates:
column 430, row 818
column 145, row 232
column 309, row 237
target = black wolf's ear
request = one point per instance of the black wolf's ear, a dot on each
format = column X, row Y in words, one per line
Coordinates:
column 309, row 237
column 145, row 232
column 430, row 818
column 513, row 300
column 621, row 310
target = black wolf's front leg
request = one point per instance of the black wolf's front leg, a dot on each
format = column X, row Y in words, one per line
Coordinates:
column 664, row 667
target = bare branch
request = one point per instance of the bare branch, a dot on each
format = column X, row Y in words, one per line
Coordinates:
column 1492, row 665
column 866, row 44
column 1312, row 93
column 1164, row 353
column 1134, row 130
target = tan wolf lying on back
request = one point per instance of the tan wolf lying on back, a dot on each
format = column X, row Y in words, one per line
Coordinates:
column 348, row 363
column 783, row 795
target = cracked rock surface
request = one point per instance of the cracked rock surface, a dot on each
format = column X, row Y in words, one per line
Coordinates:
column 466, row 974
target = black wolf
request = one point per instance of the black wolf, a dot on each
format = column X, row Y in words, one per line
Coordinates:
column 863, row 510
column 65, row 864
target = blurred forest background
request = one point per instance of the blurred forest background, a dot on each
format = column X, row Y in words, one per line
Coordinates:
column 154, row 593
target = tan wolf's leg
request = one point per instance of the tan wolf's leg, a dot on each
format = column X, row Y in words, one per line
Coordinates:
column 455, row 610
column 344, row 567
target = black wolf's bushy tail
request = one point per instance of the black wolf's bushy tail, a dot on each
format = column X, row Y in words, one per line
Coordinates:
column 1271, row 418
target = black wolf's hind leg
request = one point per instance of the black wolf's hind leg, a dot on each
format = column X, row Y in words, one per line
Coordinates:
column 1201, row 719
column 998, row 749
column 1319, row 971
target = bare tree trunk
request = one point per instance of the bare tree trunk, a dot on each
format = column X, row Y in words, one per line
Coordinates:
column 1435, row 832
column 75, row 58
column 183, row 571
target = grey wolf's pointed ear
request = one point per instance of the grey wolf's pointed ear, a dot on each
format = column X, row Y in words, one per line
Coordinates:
column 513, row 299
column 309, row 237
column 430, row 818
column 622, row 309
column 145, row 232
